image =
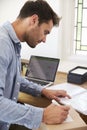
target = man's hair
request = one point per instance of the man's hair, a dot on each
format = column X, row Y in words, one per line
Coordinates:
column 42, row 9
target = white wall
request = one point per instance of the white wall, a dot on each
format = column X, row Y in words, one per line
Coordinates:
column 9, row 9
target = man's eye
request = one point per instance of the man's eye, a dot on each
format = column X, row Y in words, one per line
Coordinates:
column 46, row 32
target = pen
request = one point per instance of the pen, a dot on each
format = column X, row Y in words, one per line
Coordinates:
column 55, row 102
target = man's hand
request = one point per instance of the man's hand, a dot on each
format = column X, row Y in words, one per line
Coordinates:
column 54, row 114
column 55, row 94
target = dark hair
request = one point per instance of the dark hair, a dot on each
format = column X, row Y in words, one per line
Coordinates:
column 42, row 9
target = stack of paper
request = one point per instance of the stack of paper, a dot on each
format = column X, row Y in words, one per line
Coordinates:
column 78, row 96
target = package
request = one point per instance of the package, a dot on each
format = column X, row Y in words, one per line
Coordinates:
column 79, row 128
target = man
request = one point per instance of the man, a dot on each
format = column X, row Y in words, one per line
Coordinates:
column 35, row 21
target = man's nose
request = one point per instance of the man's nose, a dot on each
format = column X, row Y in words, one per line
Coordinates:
column 44, row 39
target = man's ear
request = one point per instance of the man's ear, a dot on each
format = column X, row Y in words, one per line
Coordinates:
column 34, row 19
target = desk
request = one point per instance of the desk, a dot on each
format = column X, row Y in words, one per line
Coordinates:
column 43, row 102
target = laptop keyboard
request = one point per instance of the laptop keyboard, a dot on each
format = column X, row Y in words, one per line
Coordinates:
column 38, row 82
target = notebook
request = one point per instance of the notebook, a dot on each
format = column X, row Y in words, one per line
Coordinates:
column 42, row 70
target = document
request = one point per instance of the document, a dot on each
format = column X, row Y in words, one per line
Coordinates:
column 78, row 96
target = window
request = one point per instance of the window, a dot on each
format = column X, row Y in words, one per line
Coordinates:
column 71, row 56
column 80, row 35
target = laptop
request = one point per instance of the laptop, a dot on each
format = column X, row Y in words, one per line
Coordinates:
column 42, row 70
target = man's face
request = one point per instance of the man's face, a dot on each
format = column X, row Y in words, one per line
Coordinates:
column 38, row 33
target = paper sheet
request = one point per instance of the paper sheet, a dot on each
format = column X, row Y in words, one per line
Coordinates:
column 80, row 71
column 78, row 96
column 71, row 89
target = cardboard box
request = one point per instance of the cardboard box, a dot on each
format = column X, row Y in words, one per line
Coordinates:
column 80, row 128
column 76, row 124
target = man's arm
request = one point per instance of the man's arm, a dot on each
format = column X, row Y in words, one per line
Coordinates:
column 30, row 87
column 15, row 113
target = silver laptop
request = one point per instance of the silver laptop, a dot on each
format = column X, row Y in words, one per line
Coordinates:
column 42, row 70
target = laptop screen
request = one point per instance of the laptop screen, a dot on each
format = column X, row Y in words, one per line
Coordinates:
column 43, row 68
